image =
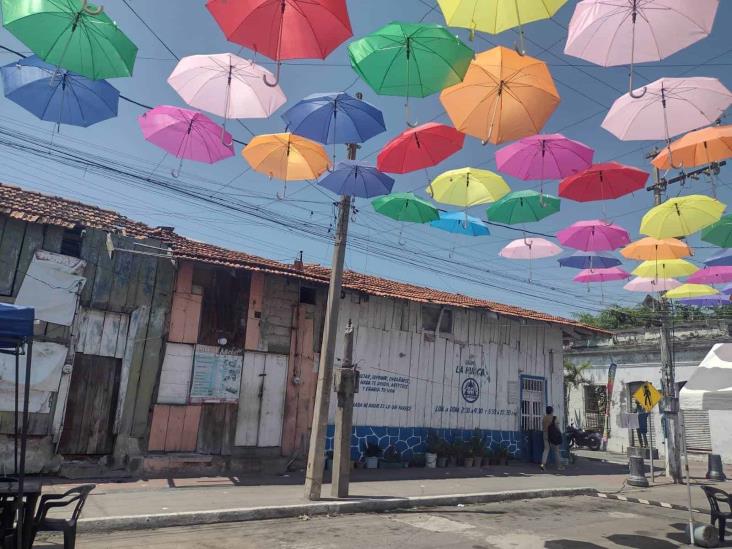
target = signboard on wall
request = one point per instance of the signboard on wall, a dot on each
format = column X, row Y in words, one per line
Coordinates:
column 216, row 375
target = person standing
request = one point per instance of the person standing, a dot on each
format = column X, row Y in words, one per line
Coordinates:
column 642, row 427
column 550, row 430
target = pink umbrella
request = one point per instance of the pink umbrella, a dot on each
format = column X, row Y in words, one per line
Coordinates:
column 530, row 248
column 601, row 275
column 540, row 157
column 711, row 275
column 651, row 285
column 594, row 236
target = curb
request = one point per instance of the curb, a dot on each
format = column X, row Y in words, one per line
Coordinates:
column 194, row 518
column 652, row 503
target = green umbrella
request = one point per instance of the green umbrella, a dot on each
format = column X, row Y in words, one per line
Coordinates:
column 406, row 207
column 71, row 34
column 523, row 207
column 720, row 233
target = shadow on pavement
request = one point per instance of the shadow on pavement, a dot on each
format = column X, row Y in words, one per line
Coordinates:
column 570, row 544
column 640, row 542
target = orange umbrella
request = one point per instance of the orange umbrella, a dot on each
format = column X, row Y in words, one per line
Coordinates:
column 697, row 148
column 286, row 156
column 650, row 248
column 504, row 96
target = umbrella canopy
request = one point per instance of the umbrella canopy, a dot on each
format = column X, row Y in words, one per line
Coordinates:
column 71, row 34
column 687, row 291
column 601, row 275
column 504, row 96
column 419, row 148
column 467, row 187
column 226, row 85
column 16, row 325
column 669, row 107
column 459, row 223
column 727, row 290
column 523, row 207
column 722, row 258
column 665, row 268
column 710, row 385
column 719, row 233
column 697, row 148
column 357, row 179
column 540, row 157
column 711, row 275
column 682, row 216
column 530, row 248
column 63, row 98
column 496, row 16
column 651, row 285
column 286, row 156
column 706, row 301
column 331, row 118
column 654, row 248
column 589, row 260
column 186, row 134
column 594, row 236
column 406, row 207
column 602, row 182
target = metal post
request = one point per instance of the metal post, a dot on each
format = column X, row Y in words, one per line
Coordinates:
column 688, row 484
column 650, row 440
column 20, row 504
column 346, row 385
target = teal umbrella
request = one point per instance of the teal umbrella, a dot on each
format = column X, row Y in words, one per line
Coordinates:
column 406, row 207
column 720, row 233
column 523, row 207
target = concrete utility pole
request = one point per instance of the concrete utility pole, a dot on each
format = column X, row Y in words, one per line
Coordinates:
column 346, row 385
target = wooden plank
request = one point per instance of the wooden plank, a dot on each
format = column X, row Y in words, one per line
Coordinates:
column 173, row 436
column 189, row 435
column 158, row 428
column 229, row 429
column 110, row 334
column 60, row 405
column 10, row 246
column 185, row 318
column 133, row 348
column 175, row 374
column 210, row 431
column 105, row 273
column 52, row 238
column 273, row 401
column 184, row 277
column 121, row 344
column 250, row 399
column 90, row 250
column 94, row 329
column 122, row 274
column 32, row 241
column 38, row 425
column 252, row 338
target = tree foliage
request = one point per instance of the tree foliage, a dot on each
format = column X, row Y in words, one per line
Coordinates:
column 648, row 313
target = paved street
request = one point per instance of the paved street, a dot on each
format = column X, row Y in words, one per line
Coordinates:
column 554, row 523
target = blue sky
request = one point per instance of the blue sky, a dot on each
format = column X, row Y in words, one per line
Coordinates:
column 416, row 254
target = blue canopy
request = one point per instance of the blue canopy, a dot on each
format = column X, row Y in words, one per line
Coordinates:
column 16, row 325
column 589, row 260
column 722, row 258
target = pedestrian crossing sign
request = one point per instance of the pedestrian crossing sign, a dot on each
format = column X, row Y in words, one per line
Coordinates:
column 647, row 396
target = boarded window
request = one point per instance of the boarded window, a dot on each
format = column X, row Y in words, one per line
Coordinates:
column 431, row 316
column 595, row 406
column 308, row 295
column 225, row 303
column 71, row 242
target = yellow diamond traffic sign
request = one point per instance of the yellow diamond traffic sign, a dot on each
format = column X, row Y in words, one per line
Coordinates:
column 647, row 396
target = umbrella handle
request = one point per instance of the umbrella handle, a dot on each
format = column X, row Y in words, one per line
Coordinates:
column 638, row 96
column 407, row 115
column 277, row 77
column 91, row 11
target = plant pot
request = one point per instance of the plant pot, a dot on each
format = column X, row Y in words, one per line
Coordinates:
column 452, row 462
column 372, row 463
column 468, row 462
column 431, row 460
column 442, row 462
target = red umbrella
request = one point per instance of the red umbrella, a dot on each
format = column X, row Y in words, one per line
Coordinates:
column 284, row 29
column 421, row 147
column 602, row 182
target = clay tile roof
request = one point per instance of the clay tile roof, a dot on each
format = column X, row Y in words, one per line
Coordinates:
column 36, row 207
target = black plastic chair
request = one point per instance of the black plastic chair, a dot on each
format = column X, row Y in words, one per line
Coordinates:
column 715, row 496
column 42, row 523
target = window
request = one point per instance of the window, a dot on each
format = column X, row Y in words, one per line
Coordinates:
column 595, row 406
column 225, row 304
column 308, row 295
column 532, row 403
column 431, row 316
column 71, row 242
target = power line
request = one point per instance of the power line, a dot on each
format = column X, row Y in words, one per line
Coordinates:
column 148, row 27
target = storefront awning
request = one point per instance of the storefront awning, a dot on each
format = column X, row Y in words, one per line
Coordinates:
column 710, row 386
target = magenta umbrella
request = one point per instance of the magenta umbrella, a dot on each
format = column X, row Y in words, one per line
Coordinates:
column 601, row 275
column 594, row 236
column 711, row 275
column 186, row 134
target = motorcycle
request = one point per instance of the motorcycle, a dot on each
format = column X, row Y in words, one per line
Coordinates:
column 579, row 438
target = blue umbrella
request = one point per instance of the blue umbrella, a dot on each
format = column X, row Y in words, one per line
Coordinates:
column 59, row 96
column 723, row 258
column 332, row 118
column 459, row 223
column 589, row 260
column 727, row 290
column 357, row 179
column 707, row 301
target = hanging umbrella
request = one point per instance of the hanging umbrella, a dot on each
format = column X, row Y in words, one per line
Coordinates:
column 682, row 216
column 186, row 134
column 593, row 236
column 419, row 148
column 226, row 85
column 530, row 248
column 719, row 233
column 654, row 248
column 727, row 290
column 624, row 32
column 688, row 291
column 665, row 268
column 722, row 258
column 459, row 223
column 706, row 301
column 357, row 179
column 284, row 29
column 504, row 96
column 286, row 156
column 467, row 187
column 540, row 157
column 601, row 275
column 589, row 260
column 406, row 207
column 603, row 182
column 334, row 118
column 712, row 275
column 72, row 34
column 698, row 148
column 523, row 207
column 60, row 97
column 651, row 285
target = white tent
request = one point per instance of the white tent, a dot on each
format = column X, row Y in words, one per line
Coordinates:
column 710, row 386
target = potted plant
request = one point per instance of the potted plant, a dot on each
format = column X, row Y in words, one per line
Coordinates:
column 487, row 457
column 432, row 447
column 502, row 454
column 418, row 460
column 372, row 453
column 392, row 459
column 443, row 453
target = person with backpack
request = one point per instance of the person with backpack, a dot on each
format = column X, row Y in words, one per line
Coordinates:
column 552, row 438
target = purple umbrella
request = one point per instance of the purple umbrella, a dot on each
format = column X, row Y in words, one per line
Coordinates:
column 707, row 301
column 601, row 275
column 593, row 236
column 540, row 157
column 727, row 290
column 357, row 179
column 723, row 258
column 589, row 260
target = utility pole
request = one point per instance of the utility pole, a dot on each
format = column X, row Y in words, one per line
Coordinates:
column 346, row 385
column 316, row 451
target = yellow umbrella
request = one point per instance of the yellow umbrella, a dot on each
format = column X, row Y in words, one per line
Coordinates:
column 665, row 268
column 686, row 291
column 655, row 248
column 468, row 187
column 681, row 216
column 503, row 97
column 286, row 156
column 697, row 148
column 496, row 16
